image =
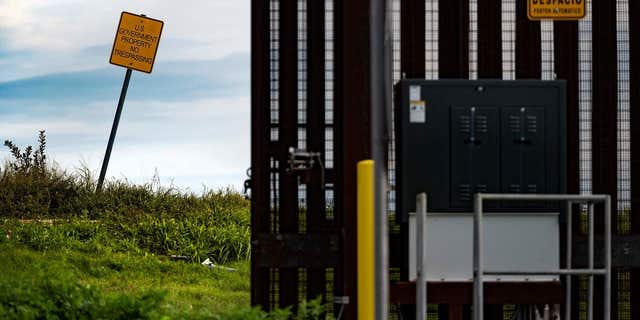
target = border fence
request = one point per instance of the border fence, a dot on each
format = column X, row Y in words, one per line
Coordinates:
column 311, row 91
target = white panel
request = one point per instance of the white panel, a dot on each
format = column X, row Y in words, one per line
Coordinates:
column 513, row 241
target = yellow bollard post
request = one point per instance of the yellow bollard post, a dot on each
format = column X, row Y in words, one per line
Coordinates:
column 366, row 241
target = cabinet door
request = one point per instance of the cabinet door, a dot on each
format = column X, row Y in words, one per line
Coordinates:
column 523, row 152
column 474, row 153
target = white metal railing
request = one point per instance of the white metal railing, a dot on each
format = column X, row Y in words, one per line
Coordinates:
column 421, row 256
column 590, row 200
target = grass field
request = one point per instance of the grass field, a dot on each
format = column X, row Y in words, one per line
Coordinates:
column 119, row 267
column 68, row 252
column 119, row 284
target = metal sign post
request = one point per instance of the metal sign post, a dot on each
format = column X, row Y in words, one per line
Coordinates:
column 114, row 129
column 134, row 47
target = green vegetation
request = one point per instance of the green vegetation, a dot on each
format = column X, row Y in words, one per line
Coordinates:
column 42, row 259
column 67, row 252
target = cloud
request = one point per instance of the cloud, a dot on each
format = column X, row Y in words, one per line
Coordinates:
column 75, row 24
column 170, row 81
column 189, row 120
column 13, row 13
column 42, row 36
column 206, row 138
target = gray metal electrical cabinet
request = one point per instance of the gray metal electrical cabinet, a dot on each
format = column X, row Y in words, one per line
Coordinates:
column 455, row 138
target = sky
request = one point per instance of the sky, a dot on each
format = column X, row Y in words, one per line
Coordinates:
column 189, row 120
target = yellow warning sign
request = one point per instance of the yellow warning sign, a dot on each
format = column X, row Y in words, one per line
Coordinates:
column 136, row 42
column 556, row 9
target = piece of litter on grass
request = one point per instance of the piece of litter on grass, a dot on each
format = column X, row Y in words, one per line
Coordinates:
column 210, row 264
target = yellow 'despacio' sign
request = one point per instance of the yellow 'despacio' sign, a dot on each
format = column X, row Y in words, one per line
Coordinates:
column 556, row 9
column 136, row 42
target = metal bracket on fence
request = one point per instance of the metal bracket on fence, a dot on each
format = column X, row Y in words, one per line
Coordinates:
column 247, row 185
column 302, row 162
column 341, row 300
column 590, row 200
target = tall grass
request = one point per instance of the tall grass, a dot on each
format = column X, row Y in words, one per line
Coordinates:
column 147, row 218
column 67, row 252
